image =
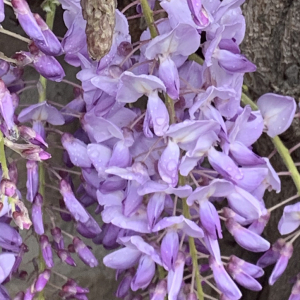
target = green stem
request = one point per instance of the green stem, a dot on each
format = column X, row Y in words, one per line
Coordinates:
column 170, row 107
column 196, row 58
column 148, row 15
column 281, row 149
column 3, row 158
column 193, row 250
column 50, row 8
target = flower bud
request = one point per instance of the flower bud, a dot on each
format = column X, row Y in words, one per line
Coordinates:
column 124, row 286
column 32, row 182
column 21, row 217
column 77, row 151
column 66, row 257
column 47, row 65
column 73, row 205
column 37, row 214
column 42, row 280
column 246, row 238
column 58, row 238
column 160, row 290
column 29, row 135
column 7, row 110
column 84, row 253
column 8, row 188
column 46, row 251
column 124, row 48
column 26, row 20
column 51, row 45
column 37, row 154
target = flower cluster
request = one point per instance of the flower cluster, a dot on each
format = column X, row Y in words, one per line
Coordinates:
column 164, row 149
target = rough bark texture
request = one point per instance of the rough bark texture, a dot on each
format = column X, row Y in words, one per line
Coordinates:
column 272, row 43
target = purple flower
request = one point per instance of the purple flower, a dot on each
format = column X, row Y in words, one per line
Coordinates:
column 46, row 65
column 42, row 280
column 246, row 238
column 144, row 273
column 224, row 283
column 50, row 45
column 290, row 219
column 124, row 285
column 58, row 239
column 66, row 257
column 41, row 112
column 2, row 14
column 7, row 109
column 180, row 223
column 131, row 87
column 295, row 295
column 7, row 261
column 242, row 271
column 175, row 277
column 77, row 151
column 160, row 291
column 207, row 211
column 26, row 19
column 169, row 249
column 168, row 164
column 32, row 182
column 37, row 214
column 279, row 254
column 46, row 251
column 278, row 112
column 73, row 205
column 199, row 14
column 84, row 253
column 171, row 48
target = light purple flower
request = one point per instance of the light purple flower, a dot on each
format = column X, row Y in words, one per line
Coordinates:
column 160, row 291
column 207, row 211
column 42, row 280
column 2, row 14
column 144, row 274
column 224, row 283
column 290, row 219
column 131, row 87
column 246, row 238
column 84, row 253
column 26, row 19
column 175, row 277
column 77, row 150
column 37, row 214
column 41, row 112
column 46, row 65
column 168, row 163
column 50, row 45
column 7, row 261
column 278, row 112
column 75, row 208
column 237, row 269
column 46, row 251
column 180, row 223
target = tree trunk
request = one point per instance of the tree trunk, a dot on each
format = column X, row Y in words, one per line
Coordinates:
column 272, row 42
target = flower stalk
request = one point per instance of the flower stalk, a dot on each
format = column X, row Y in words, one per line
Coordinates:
column 193, row 250
column 50, row 8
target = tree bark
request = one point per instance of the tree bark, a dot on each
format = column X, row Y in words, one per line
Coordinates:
column 272, row 42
